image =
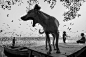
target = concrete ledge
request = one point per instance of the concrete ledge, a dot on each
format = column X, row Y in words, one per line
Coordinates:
column 79, row 53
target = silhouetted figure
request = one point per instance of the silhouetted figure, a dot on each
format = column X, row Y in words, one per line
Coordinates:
column 13, row 44
column 50, row 26
column 64, row 36
column 82, row 40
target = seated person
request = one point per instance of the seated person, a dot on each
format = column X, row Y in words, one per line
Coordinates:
column 82, row 40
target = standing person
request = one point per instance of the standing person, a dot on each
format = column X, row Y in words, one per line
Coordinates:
column 64, row 36
column 13, row 44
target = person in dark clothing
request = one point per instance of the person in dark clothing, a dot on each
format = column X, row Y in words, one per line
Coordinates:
column 64, row 36
column 13, row 44
column 82, row 40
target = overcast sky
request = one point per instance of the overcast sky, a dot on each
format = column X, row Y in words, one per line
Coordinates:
column 12, row 23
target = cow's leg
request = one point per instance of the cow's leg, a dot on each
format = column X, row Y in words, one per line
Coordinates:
column 46, row 44
column 48, row 39
column 57, row 38
column 53, row 41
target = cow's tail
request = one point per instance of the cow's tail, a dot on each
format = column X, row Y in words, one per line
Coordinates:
column 41, row 32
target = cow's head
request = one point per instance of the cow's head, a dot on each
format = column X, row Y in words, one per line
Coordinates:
column 32, row 15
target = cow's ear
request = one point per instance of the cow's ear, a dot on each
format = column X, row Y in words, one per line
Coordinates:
column 37, row 7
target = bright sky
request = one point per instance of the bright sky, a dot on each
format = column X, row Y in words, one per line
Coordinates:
column 12, row 23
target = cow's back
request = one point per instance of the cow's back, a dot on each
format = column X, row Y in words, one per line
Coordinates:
column 52, row 24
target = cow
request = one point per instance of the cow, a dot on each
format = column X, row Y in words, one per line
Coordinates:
column 49, row 23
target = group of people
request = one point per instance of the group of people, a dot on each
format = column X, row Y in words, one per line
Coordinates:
column 82, row 40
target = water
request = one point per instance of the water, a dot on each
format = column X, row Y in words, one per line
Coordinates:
column 34, row 41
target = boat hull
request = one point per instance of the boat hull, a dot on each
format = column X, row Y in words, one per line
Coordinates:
column 16, row 51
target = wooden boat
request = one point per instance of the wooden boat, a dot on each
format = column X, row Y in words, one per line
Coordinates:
column 10, row 51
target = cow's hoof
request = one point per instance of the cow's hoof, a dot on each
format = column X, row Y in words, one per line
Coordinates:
column 46, row 48
column 48, row 53
column 54, row 48
column 58, row 51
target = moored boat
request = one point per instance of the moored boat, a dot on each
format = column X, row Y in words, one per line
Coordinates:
column 10, row 51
